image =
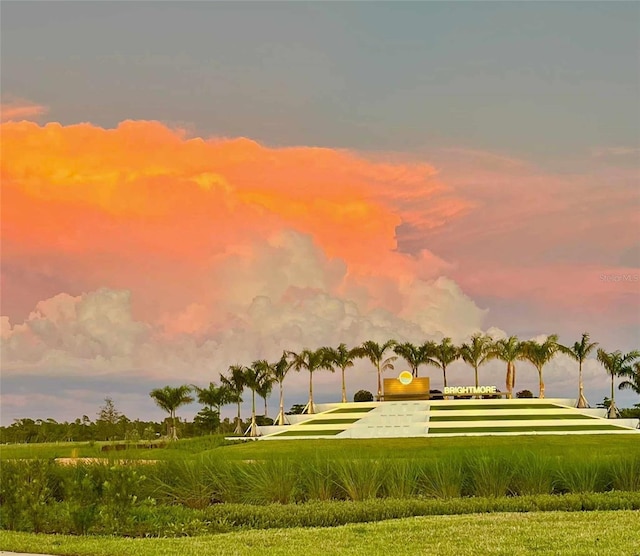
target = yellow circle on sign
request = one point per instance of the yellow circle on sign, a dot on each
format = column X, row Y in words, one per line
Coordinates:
column 405, row 377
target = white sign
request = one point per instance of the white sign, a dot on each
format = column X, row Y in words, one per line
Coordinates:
column 470, row 390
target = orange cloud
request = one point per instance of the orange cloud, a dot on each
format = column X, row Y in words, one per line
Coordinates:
column 139, row 203
column 18, row 109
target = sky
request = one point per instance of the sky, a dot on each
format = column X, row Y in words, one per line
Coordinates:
column 191, row 185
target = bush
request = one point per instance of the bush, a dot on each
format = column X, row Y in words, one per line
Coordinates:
column 363, row 396
column 524, row 394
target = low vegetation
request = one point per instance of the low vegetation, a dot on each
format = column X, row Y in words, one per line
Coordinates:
column 545, row 533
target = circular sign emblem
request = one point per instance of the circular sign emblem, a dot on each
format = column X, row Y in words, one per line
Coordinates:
column 405, row 377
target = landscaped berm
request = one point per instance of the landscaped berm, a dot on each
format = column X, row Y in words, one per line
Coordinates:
column 447, row 418
column 408, row 412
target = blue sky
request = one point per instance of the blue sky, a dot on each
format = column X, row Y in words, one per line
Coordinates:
column 488, row 153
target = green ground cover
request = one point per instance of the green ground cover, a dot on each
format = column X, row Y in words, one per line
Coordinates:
column 351, row 410
column 507, row 417
column 567, row 533
column 522, row 428
column 338, row 421
column 483, row 407
column 215, row 445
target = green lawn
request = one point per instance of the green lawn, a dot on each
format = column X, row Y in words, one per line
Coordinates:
column 549, row 445
column 552, row 533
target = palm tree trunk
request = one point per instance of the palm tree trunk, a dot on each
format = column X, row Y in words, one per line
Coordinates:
column 379, row 396
column 513, row 377
column 541, row 387
column 310, row 409
column 344, row 389
column 280, row 419
column 508, row 379
column 265, row 406
column 612, row 412
column 475, row 368
column 253, row 429
column 174, row 435
column 582, row 401
column 238, row 429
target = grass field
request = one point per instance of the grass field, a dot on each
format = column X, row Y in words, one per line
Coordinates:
column 552, row 533
column 549, row 445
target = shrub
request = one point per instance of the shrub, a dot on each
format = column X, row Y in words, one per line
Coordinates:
column 524, row 394
column 363, row 396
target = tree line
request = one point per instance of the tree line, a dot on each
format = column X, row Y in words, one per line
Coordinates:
column 261, row 376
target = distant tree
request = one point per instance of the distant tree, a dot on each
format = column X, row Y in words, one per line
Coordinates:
column 312, row 361
column 633, row 379
column 265, row 386
column 539, row 354
column 442, row 355
column 170, row 399
column 415, row 355
column 524, row 394
column 363, row 396
column 477, row 352
column 212, row 398
column 375, row 353
column 508, row 350
column 296, row 409
column 108, row 417
column 616, row 364
column 235, row 383
column 343, row 358
column 253, row 378
column 279, row 371
column 579, row 351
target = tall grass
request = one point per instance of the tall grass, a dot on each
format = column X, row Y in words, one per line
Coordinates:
column 488, row 476
column 444, row 478
column 359, row 479
column 273, row 481
column 579, row 475
column 625, row 474
column 318, row 480
column 532, row 474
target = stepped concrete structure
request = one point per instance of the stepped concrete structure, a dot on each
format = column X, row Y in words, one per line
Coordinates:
column 440, row 418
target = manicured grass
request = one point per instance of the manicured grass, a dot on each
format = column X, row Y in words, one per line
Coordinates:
column 510, row 417
column 331, row 421
column 550, row 428
column 436, row 447
column 481, row 407
column 352, row 410
column 569, row 534
column 299, row 432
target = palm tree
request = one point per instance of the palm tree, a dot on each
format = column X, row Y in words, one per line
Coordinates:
column 213, row 397
column 442, row 355
column 311, row 361
column 170, row 399
column 617, row 364
column 253, row 379
column 509, row 351
column 539, row 355
column 279, row 371
column 343, row 358
column 414, row 355
column 477, row 352
column 235, row 384
column 579, row 351
column 634, row 379
column 375, row 353
column 266, row 384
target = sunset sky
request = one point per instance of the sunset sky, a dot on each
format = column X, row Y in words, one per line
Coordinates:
column 189, row 185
